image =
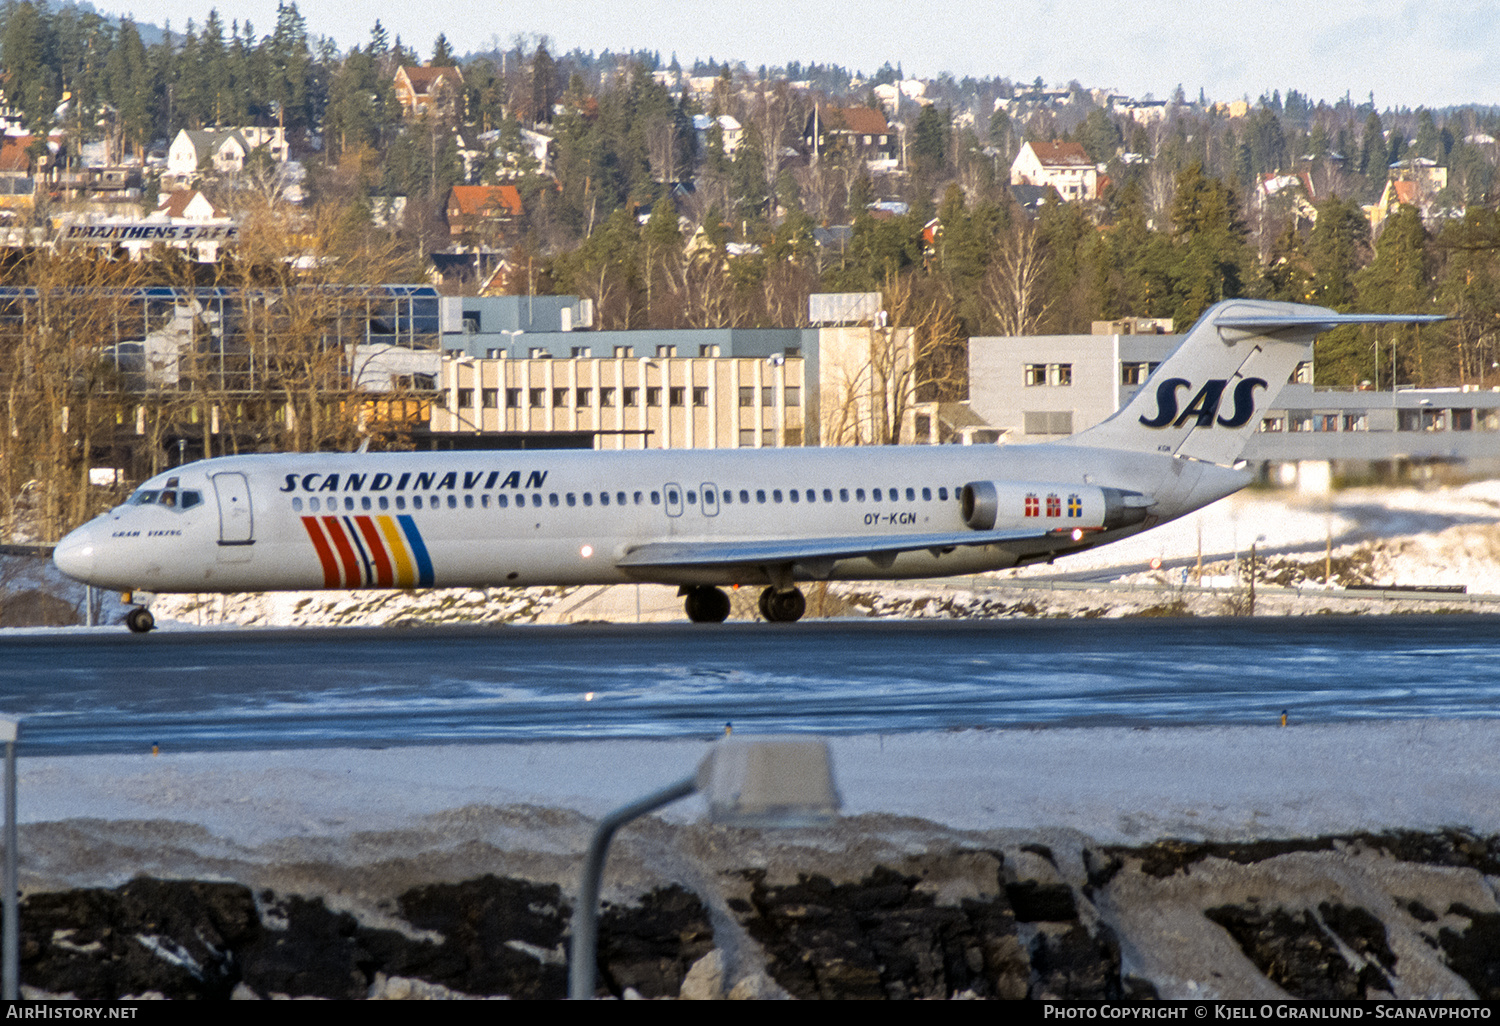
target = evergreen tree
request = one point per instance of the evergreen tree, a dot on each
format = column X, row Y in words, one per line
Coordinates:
column 1213, row 255
column 30, row 84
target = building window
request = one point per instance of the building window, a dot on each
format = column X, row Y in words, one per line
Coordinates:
column 560, row 397
column 747, row 396
column 538, row 397
column 512, row 398
column 1463, row 420
column 747, row 438
column 768, row 438
column 793, row 395
column 1134, row 373
column 1036, row 374
column 606, row 397
column 1047, row 422
column 677, row 395
column 585, row 398
column 1060, row 374
column 1356, row 422
column 1271, row 425
column 768, row 395
column 700, row 395
column 1299, row 420
column 465, row 398
column 490, row 398
column 653, row 397
column 630, row 396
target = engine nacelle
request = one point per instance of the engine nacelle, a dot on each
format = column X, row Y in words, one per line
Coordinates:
column 991, row 505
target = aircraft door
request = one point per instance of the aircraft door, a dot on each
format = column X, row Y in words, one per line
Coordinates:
column 236, row 519
column 710, row 499
column 674, row 499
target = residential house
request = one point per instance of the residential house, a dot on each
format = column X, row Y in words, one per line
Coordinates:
column 440, row 90
column 222, row 150
column 1415, row 183
column 729, row 127
column 1063, row 166
column 19, row 169
column 862, row 131
column 483, row 211
column 1287, row 193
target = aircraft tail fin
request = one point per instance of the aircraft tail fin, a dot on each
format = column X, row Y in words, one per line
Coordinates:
column 1204, row 401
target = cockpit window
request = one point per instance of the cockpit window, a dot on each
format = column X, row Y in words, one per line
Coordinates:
column 172, row 498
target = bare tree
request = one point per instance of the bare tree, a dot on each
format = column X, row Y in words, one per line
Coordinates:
column 1014, row 283
column 877, row 375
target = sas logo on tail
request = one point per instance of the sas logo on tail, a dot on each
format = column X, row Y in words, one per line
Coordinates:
column 1205, row 405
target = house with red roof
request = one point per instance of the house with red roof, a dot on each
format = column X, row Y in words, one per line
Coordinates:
column 489, row 210
column 19, row 169
column 862, row 131
column 1063, row 166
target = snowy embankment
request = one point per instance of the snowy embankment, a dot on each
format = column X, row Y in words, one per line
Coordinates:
column 1041, row 852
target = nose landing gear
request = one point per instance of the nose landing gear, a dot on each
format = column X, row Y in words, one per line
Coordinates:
column 782, row 606
column 706, row 604
column 139, row 619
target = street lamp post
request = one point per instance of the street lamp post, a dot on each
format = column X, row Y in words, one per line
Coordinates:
column 10, row 928
column 770, row 783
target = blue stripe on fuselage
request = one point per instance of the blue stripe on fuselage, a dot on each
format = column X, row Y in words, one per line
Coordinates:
column 418, row 550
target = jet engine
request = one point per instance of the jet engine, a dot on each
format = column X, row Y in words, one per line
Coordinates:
column 991, row 505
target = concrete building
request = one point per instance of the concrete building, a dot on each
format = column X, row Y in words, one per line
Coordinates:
column 515, row 365
column 620, row 400
column 1040, row 387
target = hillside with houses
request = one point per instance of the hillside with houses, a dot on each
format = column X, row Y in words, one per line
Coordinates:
column 644, row 194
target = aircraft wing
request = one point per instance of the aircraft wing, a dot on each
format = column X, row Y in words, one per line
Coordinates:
column 793, row 550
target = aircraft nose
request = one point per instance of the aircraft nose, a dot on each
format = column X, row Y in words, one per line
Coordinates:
column 74, row 555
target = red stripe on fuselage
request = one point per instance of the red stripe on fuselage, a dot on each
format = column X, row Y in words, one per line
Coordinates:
column 325, row 554
column 384, row 578
column 353, row 574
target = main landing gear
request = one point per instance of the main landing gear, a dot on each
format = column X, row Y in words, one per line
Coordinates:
column 706, row 604
column 782, row 606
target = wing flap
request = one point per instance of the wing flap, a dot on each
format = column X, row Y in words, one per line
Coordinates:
column 760, row 552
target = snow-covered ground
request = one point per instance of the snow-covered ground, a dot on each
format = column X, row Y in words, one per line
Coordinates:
column 182, row 814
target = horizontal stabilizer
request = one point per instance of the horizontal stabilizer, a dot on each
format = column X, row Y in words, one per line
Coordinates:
column 1327, row 321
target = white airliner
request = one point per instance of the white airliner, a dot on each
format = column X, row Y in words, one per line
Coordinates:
column 703, row 519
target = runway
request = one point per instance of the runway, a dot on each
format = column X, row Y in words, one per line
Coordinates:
column 102, row 690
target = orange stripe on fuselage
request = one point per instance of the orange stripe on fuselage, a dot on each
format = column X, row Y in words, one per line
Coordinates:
column 325, row 554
